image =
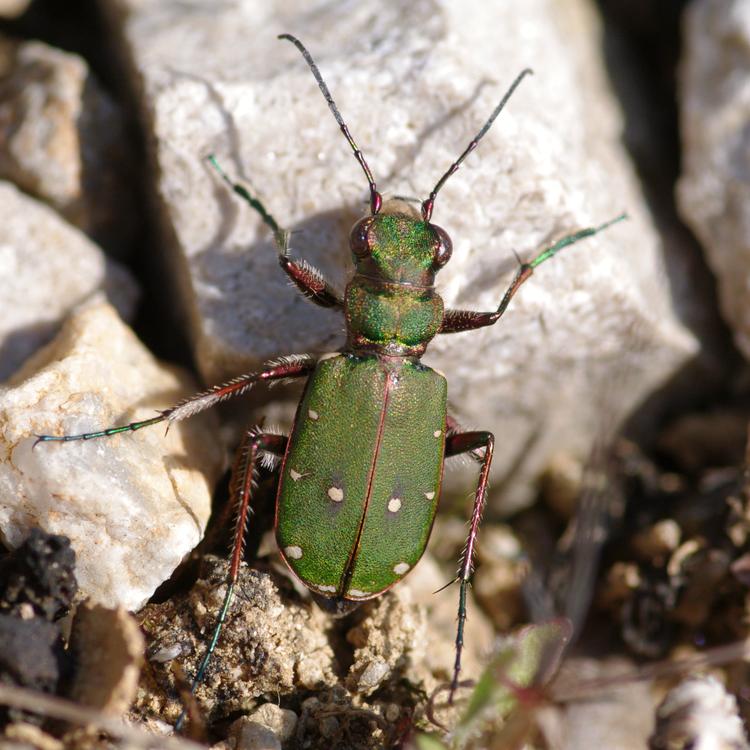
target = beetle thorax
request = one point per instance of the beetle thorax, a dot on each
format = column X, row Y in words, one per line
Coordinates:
column 391, row 305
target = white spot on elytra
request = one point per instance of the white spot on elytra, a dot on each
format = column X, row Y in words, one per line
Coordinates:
column 313, row 414
column 336, row 494
column 294, row 552
column 327, row 589
column 437, row 433
column 400, row 568
column 394, row 504
column 329, row 355
column 429, row 495
column 295, row 475
column 356, row 593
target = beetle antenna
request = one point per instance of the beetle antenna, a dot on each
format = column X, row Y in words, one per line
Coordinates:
column 429, row 204
column 376, row 200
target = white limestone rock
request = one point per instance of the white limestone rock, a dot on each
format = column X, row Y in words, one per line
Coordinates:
column 699, row 713
column 713, row 192
column 13, row 8
column 63, row 140
column 132, row 505
column 593, row 330
column 47, row 267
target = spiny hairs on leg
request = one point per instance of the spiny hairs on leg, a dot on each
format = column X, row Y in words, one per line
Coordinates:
column 268, row 460
column 283, row 368
column 314, row 282
column 208, row 398
column 287, row 360
column 234, row 387
column 463, row 442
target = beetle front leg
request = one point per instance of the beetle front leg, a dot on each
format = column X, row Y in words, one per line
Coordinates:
column 308, row 279
column 467, row 320
column 294, row 366
column 457, row 443
column 249, row 454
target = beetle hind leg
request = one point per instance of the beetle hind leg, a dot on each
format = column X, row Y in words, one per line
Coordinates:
column 252, row 452
column 456, row 444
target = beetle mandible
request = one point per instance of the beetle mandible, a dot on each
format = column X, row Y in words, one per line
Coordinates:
column 354, row 513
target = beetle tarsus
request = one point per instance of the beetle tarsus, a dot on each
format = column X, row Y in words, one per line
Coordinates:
column 455, row 321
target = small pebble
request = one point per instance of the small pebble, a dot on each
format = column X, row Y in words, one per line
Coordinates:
column 282, row 721
column 658, row 540
column 392, row 712
column 374, row 673
column 699, row 713
column 252, row 735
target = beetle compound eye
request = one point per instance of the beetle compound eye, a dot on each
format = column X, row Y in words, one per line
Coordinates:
column 359, row 239
column 444, row 248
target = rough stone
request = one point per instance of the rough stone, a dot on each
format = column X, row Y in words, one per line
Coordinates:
column 594, row 326
column 264, row 729
column 63, row 140
column 108, row 647
column 281, row 720
column 132, row 505
column 713, row 193
column 700, row 713
column 47, row 267
column 255, row 736
column 395, row 645
column 390, row 639
column 13, row 8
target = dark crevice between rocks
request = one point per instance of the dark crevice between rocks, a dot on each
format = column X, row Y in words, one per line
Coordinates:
column 642, row 47
column 80, row 27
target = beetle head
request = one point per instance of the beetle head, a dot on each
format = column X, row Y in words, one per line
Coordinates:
column 398, row 245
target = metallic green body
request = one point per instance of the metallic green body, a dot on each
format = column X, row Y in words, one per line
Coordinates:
column 361, row 476
column 391, row 306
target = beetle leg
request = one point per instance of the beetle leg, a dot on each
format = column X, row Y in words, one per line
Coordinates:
column 311, row 282
column 294, row 366
column 305, row 277
column 250, row 452
column 456, row 443
column 453, row 427
column 466, row 320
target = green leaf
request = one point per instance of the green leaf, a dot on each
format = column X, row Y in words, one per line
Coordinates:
column 525, row 663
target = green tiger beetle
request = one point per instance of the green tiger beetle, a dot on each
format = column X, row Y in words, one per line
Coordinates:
column 361, row 473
